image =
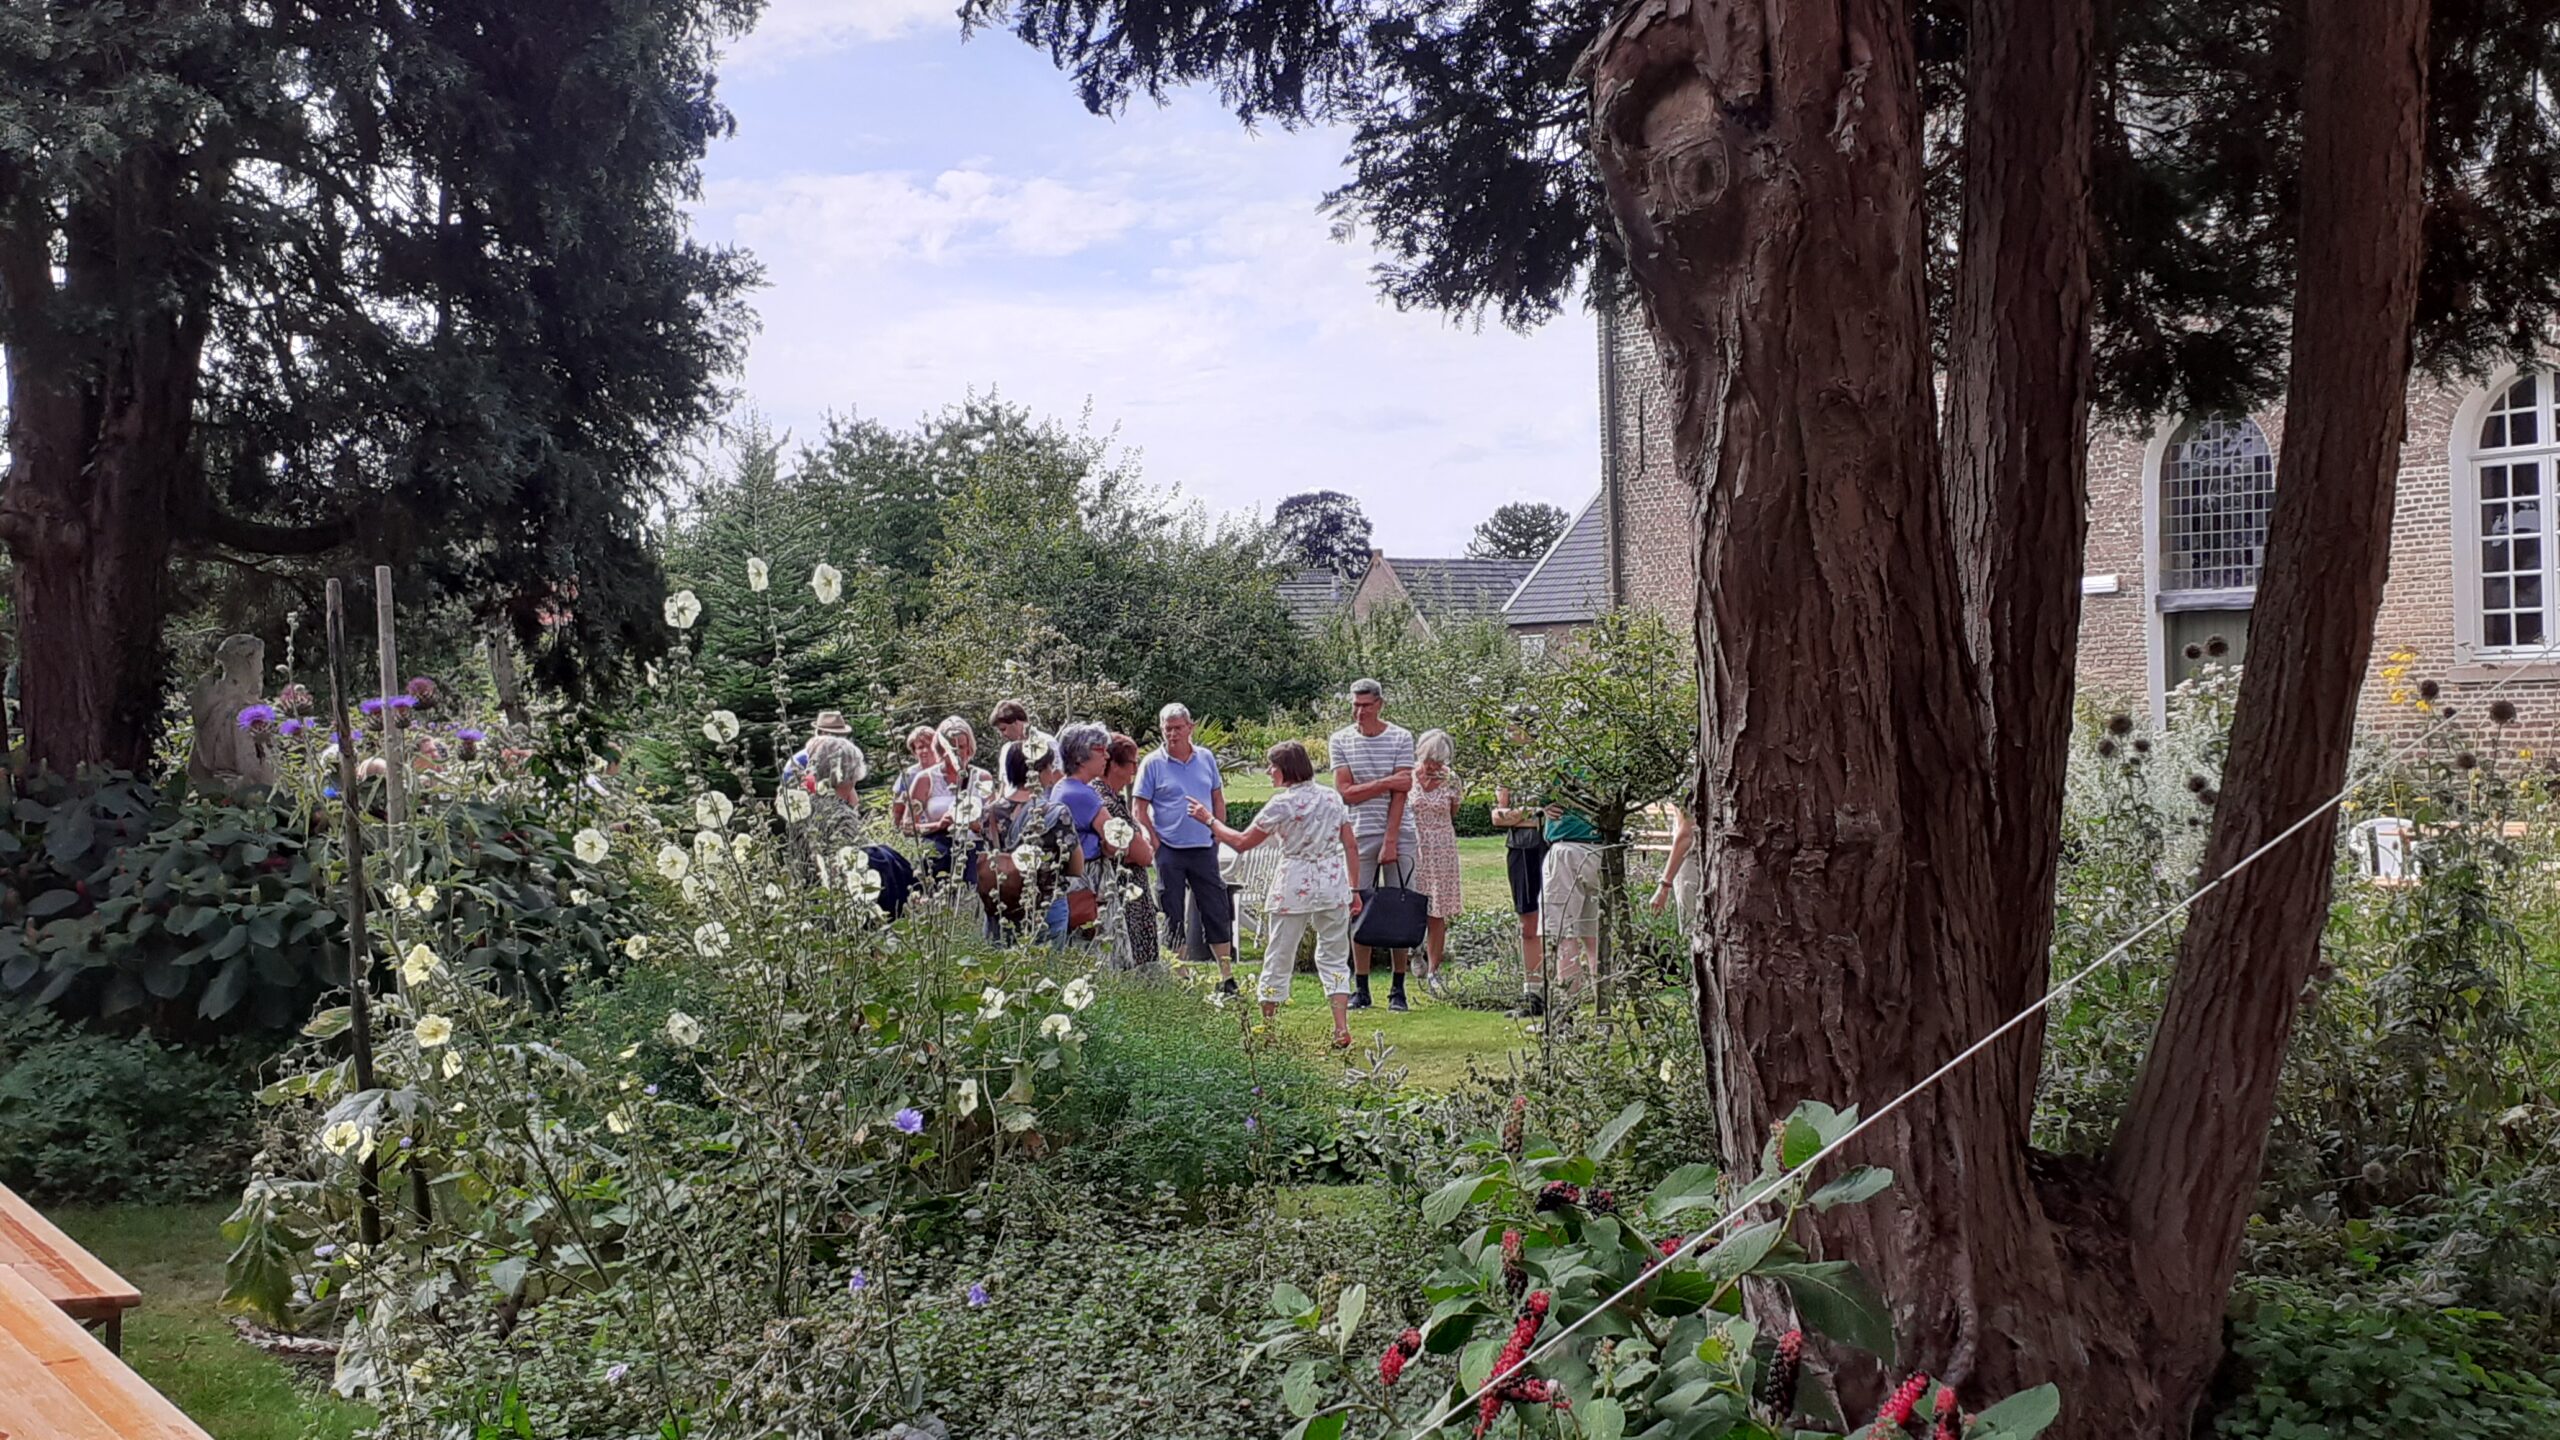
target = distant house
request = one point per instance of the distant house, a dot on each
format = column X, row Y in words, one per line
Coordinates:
column 1434, row 592
column 1567, row 587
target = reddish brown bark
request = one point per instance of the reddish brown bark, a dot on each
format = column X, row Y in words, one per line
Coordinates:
column 2188, row 1156
column 1885, row 727
column 1763, row 163
column 99, row 442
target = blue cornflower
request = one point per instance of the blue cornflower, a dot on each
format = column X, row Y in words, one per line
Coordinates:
column 909, row 1121
column 324, row 1251
column 859, row 1283
column 978, row 1294
column 328, row 792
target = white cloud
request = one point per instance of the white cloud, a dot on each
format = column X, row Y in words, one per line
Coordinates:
column 876, row 218
column 797, row 29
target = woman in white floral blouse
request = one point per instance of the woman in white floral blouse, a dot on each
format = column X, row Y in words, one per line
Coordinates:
column 1318, row 857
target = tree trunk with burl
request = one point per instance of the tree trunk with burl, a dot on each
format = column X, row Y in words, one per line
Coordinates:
column 1886, row 621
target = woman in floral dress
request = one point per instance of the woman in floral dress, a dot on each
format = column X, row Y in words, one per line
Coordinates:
column 1434, row 807
column 1312, row 891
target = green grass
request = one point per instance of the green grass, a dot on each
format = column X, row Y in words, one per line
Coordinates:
column 181, row 1342
column 1483, row 875
column 1433, row 1042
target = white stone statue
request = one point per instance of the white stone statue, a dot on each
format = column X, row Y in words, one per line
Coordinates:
column 228, row 757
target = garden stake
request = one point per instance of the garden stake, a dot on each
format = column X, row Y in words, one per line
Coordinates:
column 359, row 1012
column 394, row 748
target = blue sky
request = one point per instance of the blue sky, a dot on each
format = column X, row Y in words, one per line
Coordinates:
column 935, row 216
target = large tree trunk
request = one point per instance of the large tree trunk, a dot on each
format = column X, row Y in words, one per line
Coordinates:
column 98, row 454
column 2187, row 1159
column 1762, row 160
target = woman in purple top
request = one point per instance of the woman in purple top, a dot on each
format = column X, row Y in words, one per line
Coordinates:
column 1083, row 751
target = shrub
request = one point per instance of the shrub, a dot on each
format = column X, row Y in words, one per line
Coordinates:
column 90, row 1117
column 1168, row 1093
column 2304, row 1365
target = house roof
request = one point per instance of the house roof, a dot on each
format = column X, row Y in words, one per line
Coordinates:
column 1460, row 589
column 1313, row 596
column 1569, row 585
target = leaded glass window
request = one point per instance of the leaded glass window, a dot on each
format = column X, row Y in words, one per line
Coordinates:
column 2216, row 484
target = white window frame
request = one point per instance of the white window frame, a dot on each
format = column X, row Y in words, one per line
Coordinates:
column 2466, row 460
column 2156, row 602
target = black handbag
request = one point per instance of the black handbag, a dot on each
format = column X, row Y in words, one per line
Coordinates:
column 1393, row 917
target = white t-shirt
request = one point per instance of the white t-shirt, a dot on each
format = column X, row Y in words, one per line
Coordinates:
column 929, row 787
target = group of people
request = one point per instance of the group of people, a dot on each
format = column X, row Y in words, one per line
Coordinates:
column 1084, row 837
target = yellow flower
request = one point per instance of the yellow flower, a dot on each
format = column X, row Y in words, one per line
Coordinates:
column 418, row 966
column 423, row 899
column 434, row 1031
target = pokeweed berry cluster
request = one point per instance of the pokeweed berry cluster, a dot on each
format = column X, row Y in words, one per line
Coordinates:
column 1892, row 1422
column 1391, row 1365
column 1508, row 1386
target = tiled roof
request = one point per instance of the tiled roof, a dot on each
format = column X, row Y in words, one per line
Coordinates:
column 1570, row 583
column 1460, row 589
column 1313, row 596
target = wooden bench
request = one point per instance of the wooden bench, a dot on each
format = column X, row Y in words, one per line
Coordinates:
column 76, row 1282
column 58, row 1383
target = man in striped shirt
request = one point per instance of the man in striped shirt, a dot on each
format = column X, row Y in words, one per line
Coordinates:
column 1373, row 773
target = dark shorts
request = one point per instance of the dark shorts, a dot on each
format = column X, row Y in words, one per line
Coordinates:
column 1191, row 875
column 1527, row 863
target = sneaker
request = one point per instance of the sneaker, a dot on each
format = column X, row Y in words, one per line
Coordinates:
column 1531, row 1006
column 1359, row 1000
column 1396, row 1001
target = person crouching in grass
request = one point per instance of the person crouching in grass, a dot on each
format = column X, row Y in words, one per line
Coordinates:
column 1318, row 856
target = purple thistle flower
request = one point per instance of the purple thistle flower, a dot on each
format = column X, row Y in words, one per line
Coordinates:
column 253, row 716
column 910, row 1121
column 978, row 1295
column 469, row 736
column 372, row 706
column 1249, row 1125
column 290, row 727
column 859, row 1283
column 402, row 702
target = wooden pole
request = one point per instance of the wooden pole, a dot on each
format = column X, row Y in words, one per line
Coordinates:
column 394, row 732
column 359, row 941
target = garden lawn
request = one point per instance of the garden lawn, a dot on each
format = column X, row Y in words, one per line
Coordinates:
column 1434, row 1043
column 182, row 1343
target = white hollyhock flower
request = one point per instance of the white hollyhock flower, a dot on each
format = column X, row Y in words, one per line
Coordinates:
column 579, row 897
column 342, row 1137
column 707, row 848
column 1078, row 994
column 828, row 582
column 991, row 1003
column 1119, row 832
column 397, row 894
column 968, row 1098
column 452, row 1064
column 671, row 862
column 711, row 810
column 711, row 938
column 742, row 848
column 793, row 804
column 423, row 899
column 863, row 884
column 1026, row 856
column 759, row 575
column 591, row 846
column 849, row 860
column 683, row 1029
column 966, row 810
column 418, row 966
column 720, row 726
column 683, row 609
column 1058, row 1027
column 637, row 947
column 618, row 1120
column 434, row 1031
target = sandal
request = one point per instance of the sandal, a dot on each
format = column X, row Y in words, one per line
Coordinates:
column 1342, row 1042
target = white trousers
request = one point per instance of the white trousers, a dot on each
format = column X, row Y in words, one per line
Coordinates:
column 1333, row 951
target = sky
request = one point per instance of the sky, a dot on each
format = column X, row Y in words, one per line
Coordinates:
column 937, row 216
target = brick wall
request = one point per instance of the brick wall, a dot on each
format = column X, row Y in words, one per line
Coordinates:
column 1653, row 511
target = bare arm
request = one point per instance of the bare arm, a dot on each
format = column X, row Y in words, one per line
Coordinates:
column 1684, row 833
column 1237, row 840
column 1143, row 810
column 1351, row 863
column 1388, row 849
column 1506, row 813
column 1218, row 803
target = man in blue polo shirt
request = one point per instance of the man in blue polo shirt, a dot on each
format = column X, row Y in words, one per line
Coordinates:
column 1169, row 779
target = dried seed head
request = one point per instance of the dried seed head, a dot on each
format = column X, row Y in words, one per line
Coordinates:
column 2429, row 689
column 2141, row 747
column 2465, row 760
column 2106, row 748
column 2119, row 724
column 2502, row 711
column 2194, row 651
column 2216, row 646
column 2197, row 784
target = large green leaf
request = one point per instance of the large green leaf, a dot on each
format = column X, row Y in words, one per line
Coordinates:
column 1616, row 1130
column 1859, row 1184
column 1683, row 1189
column 2020, row 1417
column 1355, row 1304
column 1446, row 1202
column 51, row 903
column 1741, row 1252
column 1837, row 1301
column 1603, row 1419
column 226, row 989
column 1298, row 1389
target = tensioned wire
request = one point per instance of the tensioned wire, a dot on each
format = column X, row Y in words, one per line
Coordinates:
column 1779, row 1182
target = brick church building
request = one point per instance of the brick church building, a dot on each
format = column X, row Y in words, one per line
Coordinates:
column 2177, row 522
